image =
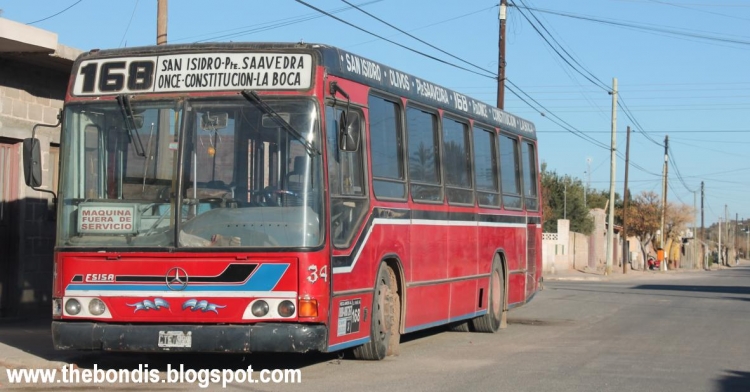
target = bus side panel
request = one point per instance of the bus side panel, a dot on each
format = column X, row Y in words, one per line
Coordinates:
column 429, row 303
column 516, row 287
column 426, row 306
column 465, row 299
column 379, row 241
column 462, row 262
column 427, row 253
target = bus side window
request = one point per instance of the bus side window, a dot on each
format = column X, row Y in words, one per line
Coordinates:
column 346, row 181
column 386, row 146
column 485, row 168
column 528, row 156
column 510, row 172
column 424, row 156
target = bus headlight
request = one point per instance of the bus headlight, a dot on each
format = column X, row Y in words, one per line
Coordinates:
column 73, row 307
column 259, row 308
column 286, row 308
column 97, row 307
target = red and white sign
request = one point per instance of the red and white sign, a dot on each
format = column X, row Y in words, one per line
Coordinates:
column 107, row 219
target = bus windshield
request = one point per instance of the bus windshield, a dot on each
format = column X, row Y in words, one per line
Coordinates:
column 195, row 173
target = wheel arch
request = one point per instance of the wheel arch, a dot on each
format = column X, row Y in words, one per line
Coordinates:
column 500, row 254
column 394, row 262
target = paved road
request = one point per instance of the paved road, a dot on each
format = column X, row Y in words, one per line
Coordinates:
column 675, row 332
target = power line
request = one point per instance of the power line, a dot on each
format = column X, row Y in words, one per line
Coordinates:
column 697, row 10
column 265, row 26
column 394, row 42
column 644, row 27
column 416, row 38
column 593, row 80
column 52, row 16
column 129, row 22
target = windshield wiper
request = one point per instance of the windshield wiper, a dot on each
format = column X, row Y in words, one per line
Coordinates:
column 127, row 114
column 255, row 99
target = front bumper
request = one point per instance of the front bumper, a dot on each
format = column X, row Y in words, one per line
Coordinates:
column 267, row 337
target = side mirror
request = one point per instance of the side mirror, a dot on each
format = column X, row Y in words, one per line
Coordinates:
column 32, row 162
column 349, row 131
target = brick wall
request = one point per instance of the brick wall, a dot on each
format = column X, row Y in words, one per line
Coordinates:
column 30, row 95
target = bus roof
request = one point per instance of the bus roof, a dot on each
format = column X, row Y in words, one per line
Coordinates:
column 347, row 65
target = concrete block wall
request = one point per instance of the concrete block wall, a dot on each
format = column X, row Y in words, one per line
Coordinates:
column 30, row 95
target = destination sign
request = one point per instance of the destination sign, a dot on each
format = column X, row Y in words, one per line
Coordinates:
column 194, row 72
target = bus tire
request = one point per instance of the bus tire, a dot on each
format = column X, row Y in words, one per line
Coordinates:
column 462, row 326
column 490, row 322
column 384, row 324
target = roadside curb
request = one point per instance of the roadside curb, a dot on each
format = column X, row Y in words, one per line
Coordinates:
column 581, row 276
column 575, row 278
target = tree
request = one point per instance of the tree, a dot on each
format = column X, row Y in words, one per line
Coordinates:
column 555, row 190
column 644, row 218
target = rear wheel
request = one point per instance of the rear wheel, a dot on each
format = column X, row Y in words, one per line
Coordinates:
column 490, row 322
column 384, row 324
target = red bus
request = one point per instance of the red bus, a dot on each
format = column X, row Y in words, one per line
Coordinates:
column 265, row 197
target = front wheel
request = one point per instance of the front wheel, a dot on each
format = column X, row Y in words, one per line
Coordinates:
column 490, row 322
column 384, row 325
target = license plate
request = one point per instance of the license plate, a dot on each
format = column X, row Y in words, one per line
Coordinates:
column 175, row 339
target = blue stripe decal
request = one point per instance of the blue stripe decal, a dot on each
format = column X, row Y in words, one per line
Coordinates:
column 445, row 321
column 352, row 343
column 265, row 278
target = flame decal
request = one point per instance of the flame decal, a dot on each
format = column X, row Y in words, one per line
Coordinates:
column 147, row 305
column 202, row 305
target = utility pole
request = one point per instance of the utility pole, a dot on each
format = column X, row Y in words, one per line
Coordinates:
column 625, row 246
column 726, row 226
column 565, row 199
column 588, row 181
column 663, row 263
column 161, row 22
column 612, row 161
column 721, row 258
column 736, row 230
column 501, row 56
column 703, row 198
column 695, row 230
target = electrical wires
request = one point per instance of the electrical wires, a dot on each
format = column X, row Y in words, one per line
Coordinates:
column 52, row 16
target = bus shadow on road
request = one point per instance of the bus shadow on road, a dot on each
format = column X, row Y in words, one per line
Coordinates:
column 742, row 290
column 734, row 380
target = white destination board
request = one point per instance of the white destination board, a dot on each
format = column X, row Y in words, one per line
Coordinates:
column 194, row 72
column 107, row 219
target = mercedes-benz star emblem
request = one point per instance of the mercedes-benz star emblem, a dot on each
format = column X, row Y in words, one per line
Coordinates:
column 177, row 279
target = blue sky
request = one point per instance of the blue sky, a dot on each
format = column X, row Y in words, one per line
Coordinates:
column 681, row 65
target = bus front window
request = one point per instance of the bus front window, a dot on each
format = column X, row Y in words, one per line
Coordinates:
column 248, row 181
column 245, row 182
column 117, row 174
